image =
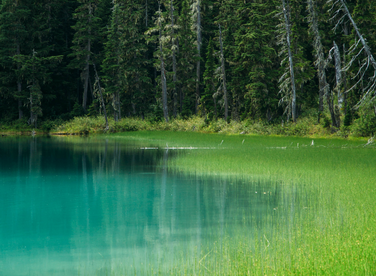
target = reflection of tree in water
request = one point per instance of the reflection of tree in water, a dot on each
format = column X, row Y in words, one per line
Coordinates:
column 115, row 200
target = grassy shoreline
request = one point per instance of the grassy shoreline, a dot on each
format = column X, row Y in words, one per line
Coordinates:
column 304, row 127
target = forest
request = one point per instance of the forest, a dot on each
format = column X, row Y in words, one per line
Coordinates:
column 273, row 61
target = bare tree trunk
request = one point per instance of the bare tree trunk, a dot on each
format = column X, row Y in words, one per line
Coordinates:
column 364, row 43
column 101, row 95
column 87, row 67
column 344, row 79
column 199, row 40
column 369, row 60
column 338, row 89
column 19, row 84
column 320, row 63
column 86, row 76
column 225, row 98
column 291, row 64
column 31, row 120
column 338, row 67
column 163, row 72
column 175, row 96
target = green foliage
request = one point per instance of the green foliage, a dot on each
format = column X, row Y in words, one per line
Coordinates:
column 325, row 121
column 77, row 110
column 207, row 99
column 365, row 125
column 92, row 111
column 348, row 117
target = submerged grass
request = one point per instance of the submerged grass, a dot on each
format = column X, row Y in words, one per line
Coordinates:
column 330, row 226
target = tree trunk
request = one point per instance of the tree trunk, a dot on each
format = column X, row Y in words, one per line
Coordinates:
column 163, row 72
column 320, row 63
column 291, row 64
column 86, row 80
column 19, row 85
column 101, row 95
column 199, row 39
column 371, row 87
column 364, row 43
column 225, row 98
column 175, row 96
column 87, row 66
column 31, row 120
column 344, row 80
column 338, row 67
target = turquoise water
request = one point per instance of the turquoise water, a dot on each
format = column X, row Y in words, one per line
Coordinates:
column 78, row 206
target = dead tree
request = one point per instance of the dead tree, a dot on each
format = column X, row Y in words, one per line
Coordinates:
column 288, row 78
column 320, row 64
column 163, row 71
column 341, row 12
column 196, row 16
column 101, row 96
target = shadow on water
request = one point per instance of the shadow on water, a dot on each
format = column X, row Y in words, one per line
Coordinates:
column 97, row 206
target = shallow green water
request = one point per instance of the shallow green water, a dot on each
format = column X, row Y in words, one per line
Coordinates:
column 89, row 207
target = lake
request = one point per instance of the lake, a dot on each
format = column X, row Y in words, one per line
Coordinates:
column 108, row 206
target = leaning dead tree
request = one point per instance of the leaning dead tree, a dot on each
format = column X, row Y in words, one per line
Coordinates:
column 341, row 12
column 335, row 54
column 288, row 78
column 320, row 64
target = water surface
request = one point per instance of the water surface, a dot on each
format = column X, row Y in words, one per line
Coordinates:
column 88, row 207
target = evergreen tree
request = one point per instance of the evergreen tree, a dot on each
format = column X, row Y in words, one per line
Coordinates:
column 113, row 62
column 86, row 33
column 14, row 33
column 208, row 103
column 36, row 70
column 254, row 59
column 186, row 60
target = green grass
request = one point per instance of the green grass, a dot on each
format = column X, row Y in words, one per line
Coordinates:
column 305, row 127
column 331, row 223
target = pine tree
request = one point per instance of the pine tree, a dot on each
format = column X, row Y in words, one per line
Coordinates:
column 186, row 60
column 36, row 71
column 254, row 59
column 113, row 64
column 14, row 32
column 87, row 28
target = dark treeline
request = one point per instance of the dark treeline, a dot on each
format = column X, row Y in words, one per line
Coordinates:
column 272, row 60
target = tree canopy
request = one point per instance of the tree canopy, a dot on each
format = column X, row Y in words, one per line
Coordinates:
column 274, row 60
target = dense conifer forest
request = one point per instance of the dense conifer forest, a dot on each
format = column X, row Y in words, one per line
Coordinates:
column 274, row 61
